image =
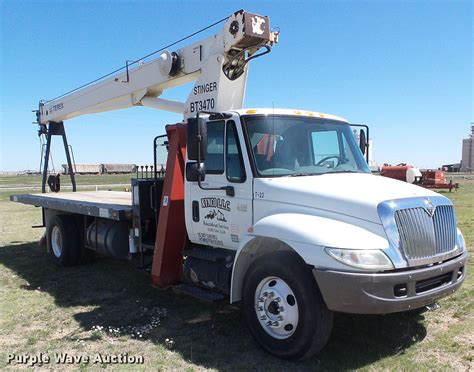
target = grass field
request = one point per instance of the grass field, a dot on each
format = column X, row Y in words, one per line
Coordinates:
column 13, row 183
column 109, row 307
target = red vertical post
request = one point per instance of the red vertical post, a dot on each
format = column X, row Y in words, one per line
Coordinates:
column 171, row 231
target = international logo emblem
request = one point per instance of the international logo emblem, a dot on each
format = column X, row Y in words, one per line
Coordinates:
column 430, row 207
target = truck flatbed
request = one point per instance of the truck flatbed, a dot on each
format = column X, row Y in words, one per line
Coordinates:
column 114, row 205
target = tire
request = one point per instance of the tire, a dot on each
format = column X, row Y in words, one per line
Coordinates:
column 63, row 240
column 305, row 324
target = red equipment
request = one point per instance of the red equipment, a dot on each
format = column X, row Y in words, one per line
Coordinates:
column 171, row 231
column 430, row 179
column 436, row 179
column 402, row 172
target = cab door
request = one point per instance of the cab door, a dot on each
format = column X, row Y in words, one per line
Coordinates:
column 216, row 217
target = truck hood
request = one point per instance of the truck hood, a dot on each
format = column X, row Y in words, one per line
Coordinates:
column 352, row 194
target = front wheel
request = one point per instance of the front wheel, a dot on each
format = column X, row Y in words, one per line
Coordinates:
column 284, row 308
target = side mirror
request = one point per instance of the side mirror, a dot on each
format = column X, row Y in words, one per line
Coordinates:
column 195, row 172
column 197, row 139
column 362, row 141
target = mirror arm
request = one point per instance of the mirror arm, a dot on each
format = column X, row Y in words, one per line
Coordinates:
column 229, row 190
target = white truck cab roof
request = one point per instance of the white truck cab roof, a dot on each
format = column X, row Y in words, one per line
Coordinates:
column 292, row 112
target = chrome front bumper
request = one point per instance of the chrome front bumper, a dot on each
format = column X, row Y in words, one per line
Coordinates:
column 381, row 293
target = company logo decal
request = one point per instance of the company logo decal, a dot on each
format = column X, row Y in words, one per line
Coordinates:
column 216, row 203
column 56, row 107
column 218, row 215
column 257, row 23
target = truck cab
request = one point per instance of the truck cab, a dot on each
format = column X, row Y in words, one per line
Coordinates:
column 290, row 186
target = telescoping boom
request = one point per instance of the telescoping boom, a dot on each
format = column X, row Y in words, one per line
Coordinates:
column 218, row 64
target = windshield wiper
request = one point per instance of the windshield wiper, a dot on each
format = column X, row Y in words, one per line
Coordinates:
column 303, row 174
column 342, row 171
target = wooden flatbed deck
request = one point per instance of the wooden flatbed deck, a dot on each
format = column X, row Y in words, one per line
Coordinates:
column 115, row 205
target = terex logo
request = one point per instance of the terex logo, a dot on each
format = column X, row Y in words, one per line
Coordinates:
column 56, row 107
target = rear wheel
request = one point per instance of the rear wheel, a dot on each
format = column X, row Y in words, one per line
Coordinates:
column 284, row 308
column 64, row 240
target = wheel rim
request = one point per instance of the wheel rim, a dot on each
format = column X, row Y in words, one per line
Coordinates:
column 56, row 241
column 276, row 307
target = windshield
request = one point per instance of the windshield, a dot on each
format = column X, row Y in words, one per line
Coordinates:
column 300, row 146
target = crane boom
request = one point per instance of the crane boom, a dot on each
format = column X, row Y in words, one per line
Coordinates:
column 218, row 64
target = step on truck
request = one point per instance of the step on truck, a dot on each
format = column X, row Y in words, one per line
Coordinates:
column 275, row 209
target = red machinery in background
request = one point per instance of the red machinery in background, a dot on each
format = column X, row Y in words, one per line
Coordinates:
column 436, row 179
column 402, row 172
column 430, row 179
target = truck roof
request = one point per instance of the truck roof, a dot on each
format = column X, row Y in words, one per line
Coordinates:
column 292, row 112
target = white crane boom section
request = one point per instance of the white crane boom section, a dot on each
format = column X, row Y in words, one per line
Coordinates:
column 217, row 63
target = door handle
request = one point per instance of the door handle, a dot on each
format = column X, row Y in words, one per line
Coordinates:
column 195, row 209
column 229, row 190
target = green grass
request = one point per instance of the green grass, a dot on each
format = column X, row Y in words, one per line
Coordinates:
column 35, row 180
column 13, row 184
column 52, row 310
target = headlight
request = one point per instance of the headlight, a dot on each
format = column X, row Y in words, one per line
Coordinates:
column 373, row 259
column 460, row 242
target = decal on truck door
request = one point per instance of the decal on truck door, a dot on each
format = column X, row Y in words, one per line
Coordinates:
column 215, row 218
column 242, row 207
column 216, row 203
column 210, row 239
column 218, row 215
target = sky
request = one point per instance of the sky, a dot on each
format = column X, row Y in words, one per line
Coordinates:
column 405, row 68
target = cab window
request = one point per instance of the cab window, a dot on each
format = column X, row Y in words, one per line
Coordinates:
column 234, row 163
column 325, row 146
column 215, row 148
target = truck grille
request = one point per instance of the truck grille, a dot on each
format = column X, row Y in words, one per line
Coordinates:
column 423, row 236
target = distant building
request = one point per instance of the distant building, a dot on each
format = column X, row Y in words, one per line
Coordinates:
column 467, row 162
column 451, row 167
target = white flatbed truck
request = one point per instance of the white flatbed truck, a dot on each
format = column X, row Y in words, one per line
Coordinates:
column 273, row 208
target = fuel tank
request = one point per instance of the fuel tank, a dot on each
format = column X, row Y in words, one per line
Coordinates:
column 109, row 238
